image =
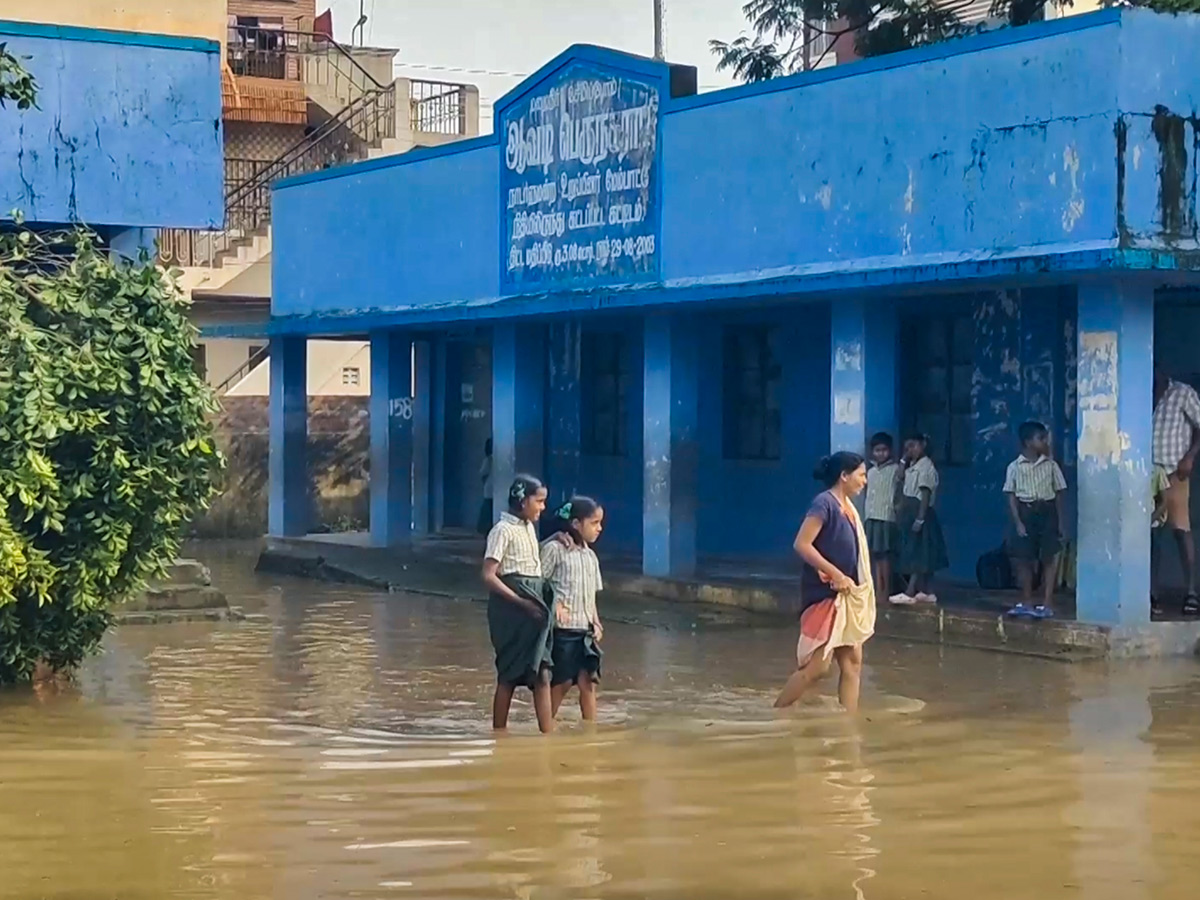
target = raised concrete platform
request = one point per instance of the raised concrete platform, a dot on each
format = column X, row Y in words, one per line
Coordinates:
column 449, row 566
column 185, row 595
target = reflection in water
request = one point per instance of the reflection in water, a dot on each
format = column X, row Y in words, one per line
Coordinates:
column 344, row 751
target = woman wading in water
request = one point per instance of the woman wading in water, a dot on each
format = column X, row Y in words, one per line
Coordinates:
column 838, row 595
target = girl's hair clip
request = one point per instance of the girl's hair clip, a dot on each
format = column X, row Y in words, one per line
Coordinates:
column 564, row 511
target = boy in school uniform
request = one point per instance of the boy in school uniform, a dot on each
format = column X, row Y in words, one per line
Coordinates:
column 1035, row 486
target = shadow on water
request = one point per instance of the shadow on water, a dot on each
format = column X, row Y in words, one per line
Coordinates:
column 343, row 751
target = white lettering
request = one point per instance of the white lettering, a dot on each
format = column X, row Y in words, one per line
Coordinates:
column 526, row 149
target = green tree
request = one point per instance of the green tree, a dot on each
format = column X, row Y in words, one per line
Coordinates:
column 793, row 35
column 16, row 84
column 106, row 449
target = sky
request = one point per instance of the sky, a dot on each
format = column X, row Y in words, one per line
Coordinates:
column 437, row 39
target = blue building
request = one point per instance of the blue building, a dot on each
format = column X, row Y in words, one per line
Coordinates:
column 127, row 134
column 676, row 302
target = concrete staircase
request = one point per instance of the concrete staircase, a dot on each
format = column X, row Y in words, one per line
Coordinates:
column 185, row 595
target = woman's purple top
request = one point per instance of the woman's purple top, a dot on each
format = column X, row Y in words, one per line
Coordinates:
column 837, row 541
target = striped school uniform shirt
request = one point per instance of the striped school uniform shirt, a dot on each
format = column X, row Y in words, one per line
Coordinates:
column 881, row 492
column 573, row 574
column 1034, row 480
column 921, row 474
column 1176, row 415
column 513, row 543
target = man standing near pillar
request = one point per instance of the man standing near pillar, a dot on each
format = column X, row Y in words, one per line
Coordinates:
column 1176, row 446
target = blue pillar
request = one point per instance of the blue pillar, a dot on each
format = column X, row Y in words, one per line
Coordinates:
column 437, row 437
column 287, row 510
column 391, row 409
column 670, row 446
column 1115, row 384
column 518, row 405
column 863, row 377
column 563, row 428
column 422, row 501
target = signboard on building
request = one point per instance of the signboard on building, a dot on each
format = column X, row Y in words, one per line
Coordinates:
column 579, row 182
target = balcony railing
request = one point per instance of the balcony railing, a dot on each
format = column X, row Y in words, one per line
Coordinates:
column 262, row 52
column 438, row 108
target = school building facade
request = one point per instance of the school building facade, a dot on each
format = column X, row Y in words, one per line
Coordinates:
column 676, row 302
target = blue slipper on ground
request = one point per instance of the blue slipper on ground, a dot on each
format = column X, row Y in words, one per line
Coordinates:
column 1020, row 611
column 1042, row 612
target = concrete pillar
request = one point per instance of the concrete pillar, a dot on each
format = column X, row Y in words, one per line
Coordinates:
column 422, row 500
column 518, row 406
column 469, row 98
column 391, row 408
column 670, row 446
column 288, row 501
column 863, row 377
column 1115, row 385
column 563, row 426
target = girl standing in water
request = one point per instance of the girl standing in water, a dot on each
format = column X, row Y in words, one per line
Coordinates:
column 518, row 616
column 572, row 574
column 837, row 592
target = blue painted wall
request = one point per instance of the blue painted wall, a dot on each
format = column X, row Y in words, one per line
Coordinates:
column 617, row 480
column 1015, row 143
column 752, row 507
column 128, row 132
column 1023, row 369
column 427, row 232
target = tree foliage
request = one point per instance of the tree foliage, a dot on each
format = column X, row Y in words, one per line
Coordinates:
column 16, row 84
column 106, row 449
column 788, row 36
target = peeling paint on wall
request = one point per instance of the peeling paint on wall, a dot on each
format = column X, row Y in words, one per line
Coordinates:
column 848, row 356
column 996, row 395
column 1070, row 391
column 847, row 407
column 1075, row 204
column 1100, row 440
column 1176, row 200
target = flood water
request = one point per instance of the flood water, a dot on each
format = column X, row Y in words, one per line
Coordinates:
column 343, row 751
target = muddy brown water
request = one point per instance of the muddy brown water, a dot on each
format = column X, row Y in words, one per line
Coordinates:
column 343, row 751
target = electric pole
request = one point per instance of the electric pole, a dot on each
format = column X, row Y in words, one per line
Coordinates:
column 659, row 49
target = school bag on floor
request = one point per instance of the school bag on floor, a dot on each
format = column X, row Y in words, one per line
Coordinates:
column 994, row 571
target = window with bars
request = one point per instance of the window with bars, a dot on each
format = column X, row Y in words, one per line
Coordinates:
column 350, row 375
column 753, row 379
column 604, row 390
column 936, row 383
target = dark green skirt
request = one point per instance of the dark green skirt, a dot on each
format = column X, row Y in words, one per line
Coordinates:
column 883, row 538
column 921, row 552
column 575, row 652
column 522, row 643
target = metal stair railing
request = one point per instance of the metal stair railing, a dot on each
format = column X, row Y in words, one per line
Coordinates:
column 243, row 370
column 364, row 122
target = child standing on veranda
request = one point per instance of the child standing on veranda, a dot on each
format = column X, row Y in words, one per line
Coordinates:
column 922, row 544
column 883, row 483
column 1035, row 487
column 572, row 574
column 519, row 621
